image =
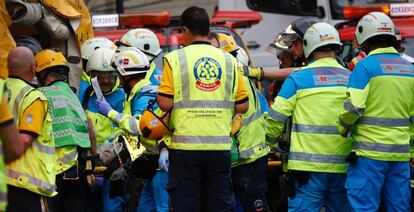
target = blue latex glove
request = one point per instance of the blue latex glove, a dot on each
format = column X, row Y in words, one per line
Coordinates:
column 163, row 160
column 103, row 107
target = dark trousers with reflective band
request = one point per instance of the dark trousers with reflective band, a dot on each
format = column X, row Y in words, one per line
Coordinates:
column 22, row 200
column 249, row 182
column 71, row 188
column 200, row 181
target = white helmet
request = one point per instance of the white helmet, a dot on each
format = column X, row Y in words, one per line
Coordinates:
column 94, row 43
column 100, row 60
column 318, row 35
column 142, row 39
column 131, row 61
column 373, row 24
column 242, row 56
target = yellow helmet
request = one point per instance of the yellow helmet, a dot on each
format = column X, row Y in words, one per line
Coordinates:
column 227, row 43
column 151, row 125
column 50, row 58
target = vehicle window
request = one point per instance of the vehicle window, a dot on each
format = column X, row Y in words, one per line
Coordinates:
column 348, row 51
column 337, row 6
column 287, row 7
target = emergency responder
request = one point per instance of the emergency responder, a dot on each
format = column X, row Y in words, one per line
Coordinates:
column 313, row 96
column 87, row 48
column 202, row 88
column 99, row 66
column 146, row 41
column 70, row 130
column 292, row 36
column 279, row 47
column 10, row 147
column 31, row 178
column 377, row 118
column 133, row 65
column 249, row 170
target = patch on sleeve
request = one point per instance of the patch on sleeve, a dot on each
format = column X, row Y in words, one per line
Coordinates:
column 29, row 119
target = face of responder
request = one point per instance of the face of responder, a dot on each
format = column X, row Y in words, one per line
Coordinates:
column 285, row 60
column 106, row 80
column 296, row 49
column 123, row 82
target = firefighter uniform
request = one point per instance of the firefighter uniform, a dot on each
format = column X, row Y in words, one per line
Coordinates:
column 204, row 85
column 379, row 107
column 34, row 171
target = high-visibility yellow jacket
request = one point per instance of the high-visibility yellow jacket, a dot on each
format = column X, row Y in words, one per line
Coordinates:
column 3, row 184
column 35, row 169
column 379, row 110
column 313, row 96
column 252, row 135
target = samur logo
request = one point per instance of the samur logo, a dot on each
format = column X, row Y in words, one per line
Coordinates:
column 208, row 73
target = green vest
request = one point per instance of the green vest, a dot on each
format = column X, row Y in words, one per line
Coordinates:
column 35, row 169
column 70, row 125
column 3, row 184
column 150, row 145
column 205, row 84
column 252, row 136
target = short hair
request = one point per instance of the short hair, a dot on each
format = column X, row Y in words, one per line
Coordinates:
column 196, row 20
column 381, row 41
column 328, row 48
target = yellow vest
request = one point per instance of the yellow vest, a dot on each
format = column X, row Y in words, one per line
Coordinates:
column 3, row 185
column 67, row 157
column 204, row 94
column 35, row 169
column 252, row 136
